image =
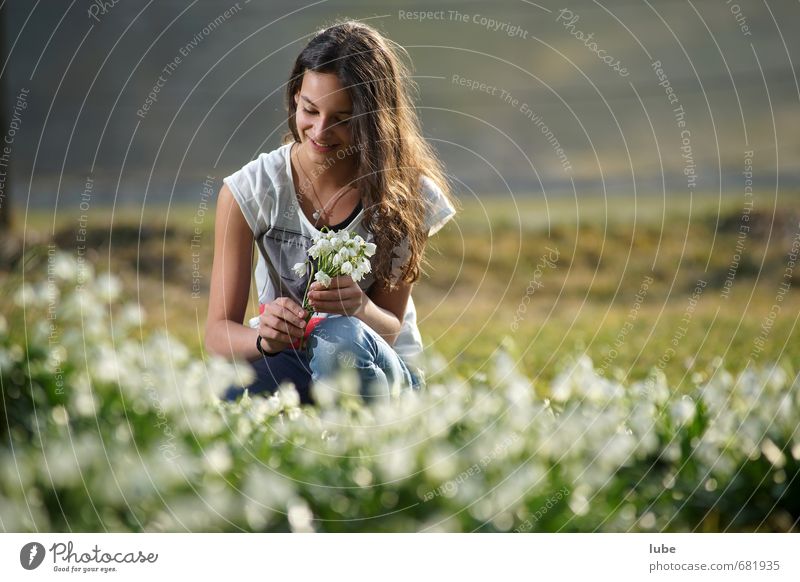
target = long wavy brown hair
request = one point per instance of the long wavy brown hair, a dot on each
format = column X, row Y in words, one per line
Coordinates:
column 392, row 154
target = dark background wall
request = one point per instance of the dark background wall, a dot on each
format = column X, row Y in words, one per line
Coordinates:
column 88, row 70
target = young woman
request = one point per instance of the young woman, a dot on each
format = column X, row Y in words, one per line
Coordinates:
column 354, row 159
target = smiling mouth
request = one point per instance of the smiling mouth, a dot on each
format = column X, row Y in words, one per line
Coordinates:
column 322, row 145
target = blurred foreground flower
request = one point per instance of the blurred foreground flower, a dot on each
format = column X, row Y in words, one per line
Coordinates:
column 112, row 430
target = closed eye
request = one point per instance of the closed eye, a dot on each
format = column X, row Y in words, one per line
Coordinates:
column 310, row 112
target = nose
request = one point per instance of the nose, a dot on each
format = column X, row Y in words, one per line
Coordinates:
column 323, row 124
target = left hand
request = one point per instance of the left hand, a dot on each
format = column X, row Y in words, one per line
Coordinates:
column 343, row 297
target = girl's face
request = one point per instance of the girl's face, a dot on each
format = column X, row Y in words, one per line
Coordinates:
column 323, row 110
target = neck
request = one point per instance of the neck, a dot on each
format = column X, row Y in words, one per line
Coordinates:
column 326, row 173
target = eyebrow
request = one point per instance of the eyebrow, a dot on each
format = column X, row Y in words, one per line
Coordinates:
column 312, row 103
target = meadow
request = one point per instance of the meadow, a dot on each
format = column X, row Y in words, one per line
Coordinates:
column 592, row 367
column 596, row 298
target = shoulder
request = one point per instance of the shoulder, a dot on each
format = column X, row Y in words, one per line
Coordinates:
column 271, row 166
column 259, row 184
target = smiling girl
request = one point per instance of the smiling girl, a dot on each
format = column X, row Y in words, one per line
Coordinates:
column 354, row 159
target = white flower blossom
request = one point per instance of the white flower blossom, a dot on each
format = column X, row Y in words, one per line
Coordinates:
column 108, row 287
column 683, row 411
column 300, row 269
column 489, row 453
column 324, row 278
column 343, row 255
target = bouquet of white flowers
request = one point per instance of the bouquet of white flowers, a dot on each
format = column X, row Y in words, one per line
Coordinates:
column 334, row 253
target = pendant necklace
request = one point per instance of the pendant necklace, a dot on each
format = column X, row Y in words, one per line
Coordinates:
column 318, row 212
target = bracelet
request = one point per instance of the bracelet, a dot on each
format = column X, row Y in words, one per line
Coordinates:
column 261, row 350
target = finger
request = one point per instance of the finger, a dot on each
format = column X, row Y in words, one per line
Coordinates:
column 341, row 282
column 271, row 322
column 294, row 316
column 336, row 283
column 328, row 294
column 282, row 326
column 291, row 305
column 323, row 296
column 342, row 294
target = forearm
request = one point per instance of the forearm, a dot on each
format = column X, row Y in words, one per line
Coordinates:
column 232, row 340
column 383, row 321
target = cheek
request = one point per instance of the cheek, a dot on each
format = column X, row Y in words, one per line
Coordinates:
column 302, row 120
column 344, row 134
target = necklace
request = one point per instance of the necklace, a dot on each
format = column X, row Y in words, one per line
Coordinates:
column 319, row 211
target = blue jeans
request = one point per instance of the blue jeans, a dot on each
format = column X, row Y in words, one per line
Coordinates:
column 336, row 342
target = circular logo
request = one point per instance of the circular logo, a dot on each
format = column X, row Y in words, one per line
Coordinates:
column 31, row 555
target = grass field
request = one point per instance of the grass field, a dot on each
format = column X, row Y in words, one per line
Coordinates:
column 588, row 302
column 634, row 285
column 547, row 279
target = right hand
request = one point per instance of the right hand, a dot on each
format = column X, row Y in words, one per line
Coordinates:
column 282, row 322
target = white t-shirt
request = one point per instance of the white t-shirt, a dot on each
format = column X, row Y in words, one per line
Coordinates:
column 266, row 195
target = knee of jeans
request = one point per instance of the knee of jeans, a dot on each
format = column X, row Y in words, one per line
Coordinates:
column 338, row 342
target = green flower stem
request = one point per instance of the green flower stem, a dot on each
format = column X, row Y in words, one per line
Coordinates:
column 307, row 306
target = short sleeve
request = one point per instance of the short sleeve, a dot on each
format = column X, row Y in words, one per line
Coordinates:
column 439, row 210
column 254, row 191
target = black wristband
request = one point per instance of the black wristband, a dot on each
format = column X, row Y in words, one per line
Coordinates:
column 261, row 350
